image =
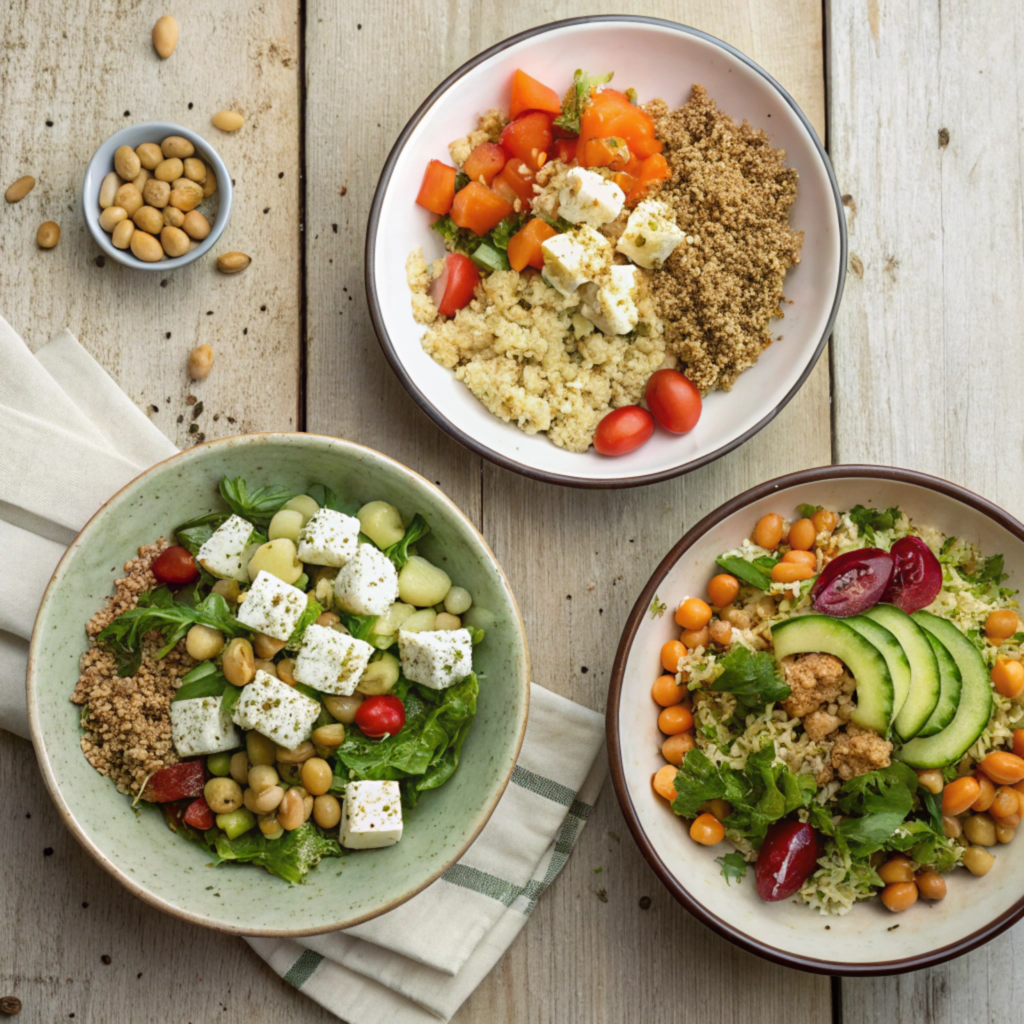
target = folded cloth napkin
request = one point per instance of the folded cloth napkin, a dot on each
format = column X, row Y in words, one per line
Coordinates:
column 71, row 439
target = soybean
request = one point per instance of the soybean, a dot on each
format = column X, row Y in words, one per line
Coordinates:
column 165, row 36
column 121, row 238
column 174, row 241
column 127, row 163
column 195, row 225
column 149, row 218
column 145, row 247
column 149, row 154
column 108, row 189
column 176, row 147
column 228, row 120
column 48, row 234
column 168, row 170
column 326, row 811
column 200, row 362
column 260, row 749
column 156, row 193
column 238, row 663
column 129, row 198
column 19, row 189
column 343, row 708
column 173, row 217
column 232, row 262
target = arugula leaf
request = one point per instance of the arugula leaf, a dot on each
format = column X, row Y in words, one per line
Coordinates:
column 746, row 571
column 289, row 858
column 867, row 520
column 399, row 551
column 752, row 679
column 324, row 497
column 807, row 511
column 310, row 614
column 205, row 680
column 575, row 102
column 258, row 507
column 733, row 866
column 196, row 532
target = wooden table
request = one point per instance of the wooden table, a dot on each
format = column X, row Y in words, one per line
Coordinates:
column 922, row 123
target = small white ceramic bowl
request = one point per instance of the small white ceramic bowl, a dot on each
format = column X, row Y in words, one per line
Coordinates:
column 864, row 941
column 216, row 209
column 657, row 58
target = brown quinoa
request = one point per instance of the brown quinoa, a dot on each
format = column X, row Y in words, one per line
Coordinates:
column 126, row 722
column 731, row 193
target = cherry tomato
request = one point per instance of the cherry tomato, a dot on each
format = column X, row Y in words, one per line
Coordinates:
column 454, row 288
column 623, row 430
column 917, row 576
column 787, row 859
column 175, row 565
column 852, row 583
column 379, row 716
column 673, row 400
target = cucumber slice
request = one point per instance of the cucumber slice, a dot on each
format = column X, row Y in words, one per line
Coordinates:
column 895, row 657
column 973, row 711
column 808, row 634
column 925, row 681
column 949, row 675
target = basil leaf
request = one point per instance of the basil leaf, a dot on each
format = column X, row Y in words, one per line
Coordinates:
column 258, row 507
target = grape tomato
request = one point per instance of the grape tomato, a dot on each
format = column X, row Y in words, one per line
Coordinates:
column 852, row 582
column 673, row 400
column 453, row 290
column 623, row 430
column 917, row 575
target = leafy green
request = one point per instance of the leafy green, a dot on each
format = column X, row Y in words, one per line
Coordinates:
column 289, row 858
column 746, row 571
column 868, row 520
column 733, row 866
column 461, row 180
column 631, row 95
column 575, row 102
column 310, row 614
column 752, row 679
column 502, row 234
column 196, row 532
column 324, row 497
column 658, row 607
column 258, row 507
column 489, row 252
column 489, row 259
column 875, row 804
column 399, row 551
column 989, row 570
column 205, row 680
column 363, row 627
column 230, row 699
column 456, row 239
column 560, row 224
column 807, row 511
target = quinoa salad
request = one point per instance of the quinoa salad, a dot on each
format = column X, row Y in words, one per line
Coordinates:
column 845, row 710
column 609, row 262
column 284, row 680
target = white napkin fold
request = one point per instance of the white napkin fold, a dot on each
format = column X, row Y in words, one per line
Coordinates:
column 72, row 438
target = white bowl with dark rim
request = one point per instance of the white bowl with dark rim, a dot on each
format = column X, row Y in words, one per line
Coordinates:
column 659, row 59
column 863, row 942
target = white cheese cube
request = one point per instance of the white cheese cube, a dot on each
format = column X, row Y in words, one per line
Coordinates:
column 330, row 661
column 610, row 307
column 575, row 257
column 438, row 658
column 329, row 538
column 221, row 555
column 651, row 235
column 587, row 198
column 272, row 606
column 368, row 583
column 276, row 710
column 200, row 726
column 371, row 815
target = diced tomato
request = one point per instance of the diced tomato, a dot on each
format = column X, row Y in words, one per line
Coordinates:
column 175, row 782
column 528, row 137
column 654, row 168
column 454, row 288
column 524, row 246
column 438, row 188
column 479, row 209
column 609, row 113
column 624, row 181
column 515, row 182
column 564, row 150
column 612, row 153
column 484, row 162
column 199, row 814
column 529, row 94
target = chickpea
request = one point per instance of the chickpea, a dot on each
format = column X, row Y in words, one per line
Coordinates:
column 149, row 154
column 329, row 737
column 720, row 633
column 825, row 521
column 223, row 795
column 671, row 653
column 204, row 642
column 899, row 896
column 238, row 663
column 228, row 589
column 951, row 827
column 343, row 708
column 121, row 237
column 149, row 219
column 796, row 557
column 1003, row 767
column 693, row 614
column 735, row 617
column 931, row 780
column 286, row 671
column 1008, row 677
column 260, row 749
column 240, row 767
column 1005, row 803
column 177, row 146
column 721, row 809
column 446, row 621
column 1004, row 834
column 694, row 638
column 931, row 885
column 980, row 830
column 978, row 860
column 290, row 810
column 111, row 217
column 675, row 748
column 268, row 800
column 383, row 524
column 790, row 572
column 303, row 752
column 175, row 242
column 664, row 782
column 316, row 776
column 326, row 810
column 1001, row 625
column 802, row 535
column 768, row 532
column 127, row 163
column 261, row 777
column 987, row 794
column 707, row 830
column 458, row 601
column 666, row 691
column 723, row 589
column 896, row 869
column 958, row 796
column 675, row 720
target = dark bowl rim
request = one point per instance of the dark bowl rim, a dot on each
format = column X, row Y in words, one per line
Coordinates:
column 424, row 402
column 804, row 963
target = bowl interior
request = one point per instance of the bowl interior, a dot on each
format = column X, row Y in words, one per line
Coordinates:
column 791, row 929
column 657, row 59
column 136, row 845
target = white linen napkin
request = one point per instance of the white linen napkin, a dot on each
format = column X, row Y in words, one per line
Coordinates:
column 72, row 438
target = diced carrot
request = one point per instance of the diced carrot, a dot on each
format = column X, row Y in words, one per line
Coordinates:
column 624, row 181
column 611, row 152
column 655, row 168
column 484, row 162
column 515, row 182
column 610, row 113
column 479, row 209
column 564, row 150
column 524, row 246
column 529, row 94
column 438, row 188
column 528, row 138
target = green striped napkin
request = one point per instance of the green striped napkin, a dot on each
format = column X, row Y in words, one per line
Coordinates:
column 420, row 962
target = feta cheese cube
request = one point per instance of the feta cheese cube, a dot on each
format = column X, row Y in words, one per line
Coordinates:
column 437, row 658
column 330, row 661
column 272, row 606
column 587, row 198
column 368, row 583
column 221, row 555
column 610, row 307
column 276, row 710
column 371, row 815
column 329, row 538
column 651, row 235
column 575, row 257
column 200, row 726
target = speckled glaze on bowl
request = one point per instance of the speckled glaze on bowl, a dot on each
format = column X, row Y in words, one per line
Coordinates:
column 136, row 846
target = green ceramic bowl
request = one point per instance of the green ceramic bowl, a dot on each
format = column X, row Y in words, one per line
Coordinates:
column 136, row 846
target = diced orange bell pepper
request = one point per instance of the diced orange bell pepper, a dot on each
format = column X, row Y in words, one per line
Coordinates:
column 529, row 94
column 624, row 181
column 438, row 188
column 528, row 138
column 479, row 209
column 609, row 113
column 612, row 153
column 515, row 182
column 524, row 246
column 564, row 150
column 655, row 168
column 484, row 162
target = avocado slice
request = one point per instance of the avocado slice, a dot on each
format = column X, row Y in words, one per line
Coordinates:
column 949, row 698
column 973, row 710
column 895, row 657
column 809, row 634
column 925, row 678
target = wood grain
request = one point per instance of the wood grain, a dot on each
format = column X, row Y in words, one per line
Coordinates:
column 925, row 104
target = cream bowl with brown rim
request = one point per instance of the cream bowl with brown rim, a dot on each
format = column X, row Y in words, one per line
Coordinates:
column 864, row 941
column 135, row 845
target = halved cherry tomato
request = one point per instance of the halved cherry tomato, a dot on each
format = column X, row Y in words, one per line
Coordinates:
column 529, row 94
column 484, row 162
column 379, row 716
column 199, row 814
column 524, row 246
column 564, row 150
column 515, row 182
column 175, row 565
column 528, row 137
column 438, row 188
column 176, row 782
column 611, row 152
column 623, row 430
column 454, row 288
column 673, row 400
column 653, row 169
column 610, row 113
column 479, row 209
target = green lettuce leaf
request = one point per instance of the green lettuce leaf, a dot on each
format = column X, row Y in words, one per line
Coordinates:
column 753, row 679
column 399, row 551
column 257, row 507
column 289, row 858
